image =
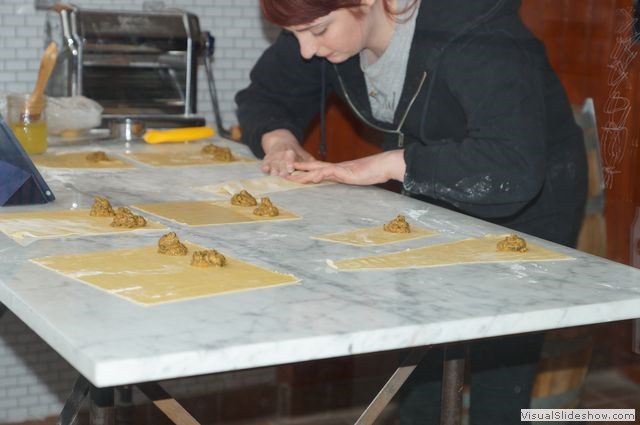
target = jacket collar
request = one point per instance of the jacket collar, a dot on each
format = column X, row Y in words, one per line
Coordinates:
column 438, row 24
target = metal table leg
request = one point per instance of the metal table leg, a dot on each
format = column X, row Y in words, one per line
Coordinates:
column 636, row 336
column 167, row 404
column 452, row 385
column 124, row 405
column 390, row 389
column 102, row 404
column 74, row 402
column 101, row 409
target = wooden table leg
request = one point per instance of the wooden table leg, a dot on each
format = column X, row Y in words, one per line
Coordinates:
column 452, row 384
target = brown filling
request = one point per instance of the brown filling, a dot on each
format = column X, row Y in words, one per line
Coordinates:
column 169, row 244
column 219, row 153
column 101, row 207
column 125, row 218
column 243, row 199
column 207, row 258
column 397, row 225
column 266, row 208
column 512, row 243
column 98, row 156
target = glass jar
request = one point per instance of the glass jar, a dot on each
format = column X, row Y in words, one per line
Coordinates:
column 28, row 121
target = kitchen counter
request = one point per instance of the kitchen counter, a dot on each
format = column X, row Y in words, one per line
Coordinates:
column 112, row 341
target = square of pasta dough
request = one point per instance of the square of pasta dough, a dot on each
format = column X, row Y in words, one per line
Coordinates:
column 206, row 213
column 467, row 251
column 258, row 186
column 145, row 277
column 77, row 160
column 374, row 236
column 183, row 154
column 31, row 225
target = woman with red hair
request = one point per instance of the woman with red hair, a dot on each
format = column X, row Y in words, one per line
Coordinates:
column 474, row 118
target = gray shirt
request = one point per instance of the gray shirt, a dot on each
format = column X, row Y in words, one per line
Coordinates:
column 385, row 77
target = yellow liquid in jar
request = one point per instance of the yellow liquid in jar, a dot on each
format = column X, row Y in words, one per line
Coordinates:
column 32, row 136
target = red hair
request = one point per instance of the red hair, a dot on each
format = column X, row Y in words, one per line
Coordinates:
column 286, row 13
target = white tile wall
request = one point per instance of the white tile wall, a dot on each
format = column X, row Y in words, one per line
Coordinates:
column 34, row 380
column 241, row 36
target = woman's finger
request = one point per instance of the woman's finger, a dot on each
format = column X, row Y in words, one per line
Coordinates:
column 310, row 165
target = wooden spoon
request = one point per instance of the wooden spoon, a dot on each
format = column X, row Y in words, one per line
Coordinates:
column 35, row 102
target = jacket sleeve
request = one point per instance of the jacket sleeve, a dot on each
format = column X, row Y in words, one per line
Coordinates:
column 284, row 93
column 499, row 167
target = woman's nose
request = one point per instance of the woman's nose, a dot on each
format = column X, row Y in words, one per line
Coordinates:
column 308, row 46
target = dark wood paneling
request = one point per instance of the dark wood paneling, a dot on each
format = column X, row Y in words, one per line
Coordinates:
column 347, row 137
column 583, row 39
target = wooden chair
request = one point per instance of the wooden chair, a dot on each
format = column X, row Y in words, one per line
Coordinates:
column 566, row 353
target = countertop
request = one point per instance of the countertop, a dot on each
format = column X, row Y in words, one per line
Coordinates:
column 112, row 341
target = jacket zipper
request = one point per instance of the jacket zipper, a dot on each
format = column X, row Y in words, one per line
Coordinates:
column 404, row 116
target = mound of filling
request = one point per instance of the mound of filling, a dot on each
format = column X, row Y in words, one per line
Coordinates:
column 208, row 258
column 266, row 208
column 243, row 199
column 101, row 208
column 512, row 243
column 397, row 225
column 219, row 153
column 169, row 244
column 98, row 156
column 125, row 218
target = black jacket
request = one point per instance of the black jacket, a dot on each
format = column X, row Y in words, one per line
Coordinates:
column 485, row 123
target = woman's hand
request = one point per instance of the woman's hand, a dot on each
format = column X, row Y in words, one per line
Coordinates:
column 282, row 150
column 369, row 170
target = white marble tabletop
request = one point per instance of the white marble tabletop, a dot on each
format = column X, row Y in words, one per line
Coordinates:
column 112, row 341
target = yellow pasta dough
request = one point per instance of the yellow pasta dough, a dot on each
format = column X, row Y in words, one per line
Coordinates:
column 51, row 224
column 205, row 213
column 258, row 186
column 467, row 251
column 375, row 236
column 180, row 155
column 144, row 276
column 77, row 160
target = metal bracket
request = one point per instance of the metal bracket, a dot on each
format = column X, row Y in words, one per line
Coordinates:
column 209, row 43
column 389, row 390
column 102, row 408
column 168, row 405
column 74, row 402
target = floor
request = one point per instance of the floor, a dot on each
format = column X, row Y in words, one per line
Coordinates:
column 611, row 390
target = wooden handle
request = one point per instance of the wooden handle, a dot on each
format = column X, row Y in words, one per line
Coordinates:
column 34, row 103
column 59, row 7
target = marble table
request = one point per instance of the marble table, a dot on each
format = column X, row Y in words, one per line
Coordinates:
column 113, row 342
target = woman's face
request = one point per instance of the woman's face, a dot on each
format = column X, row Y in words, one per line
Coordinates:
column 336, row 36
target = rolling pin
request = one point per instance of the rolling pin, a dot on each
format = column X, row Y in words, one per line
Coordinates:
column 184, row 134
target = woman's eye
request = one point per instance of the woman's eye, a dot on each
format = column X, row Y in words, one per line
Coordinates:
column 320, row 32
